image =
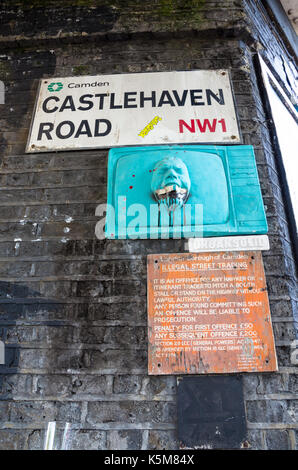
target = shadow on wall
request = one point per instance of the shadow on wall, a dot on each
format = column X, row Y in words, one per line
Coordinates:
column 49, row 338
column 20, row 72
column 23, row 312
column 32, row 352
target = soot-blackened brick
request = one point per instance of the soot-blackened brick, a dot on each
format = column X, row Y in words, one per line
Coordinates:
column 84, row 299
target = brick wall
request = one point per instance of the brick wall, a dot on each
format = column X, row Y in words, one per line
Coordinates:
column 73, row 308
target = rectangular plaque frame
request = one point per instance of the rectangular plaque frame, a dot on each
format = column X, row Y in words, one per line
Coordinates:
column 209, row 313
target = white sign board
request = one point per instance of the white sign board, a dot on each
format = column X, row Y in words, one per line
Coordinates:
column 238, row 243
column 134, row 109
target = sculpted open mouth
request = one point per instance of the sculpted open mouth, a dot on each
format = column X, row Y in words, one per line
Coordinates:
column 166, row 190
column 170, row 184
column 173, row 196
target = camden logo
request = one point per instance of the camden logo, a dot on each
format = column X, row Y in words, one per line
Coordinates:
column 55, row 86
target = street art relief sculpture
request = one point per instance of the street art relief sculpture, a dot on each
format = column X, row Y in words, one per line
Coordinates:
column 182, row 191
column 170, row 184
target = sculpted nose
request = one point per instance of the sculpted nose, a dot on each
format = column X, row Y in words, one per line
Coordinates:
column 171, row 173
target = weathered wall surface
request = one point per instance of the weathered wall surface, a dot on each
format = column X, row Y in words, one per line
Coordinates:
column 73, row 308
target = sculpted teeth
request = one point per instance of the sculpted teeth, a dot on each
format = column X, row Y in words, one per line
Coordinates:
column 168, row 189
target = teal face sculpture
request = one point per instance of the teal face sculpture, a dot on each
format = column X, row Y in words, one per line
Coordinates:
column 170, row 183
column 183, row 191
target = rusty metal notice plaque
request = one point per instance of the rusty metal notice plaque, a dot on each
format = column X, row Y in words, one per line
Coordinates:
column 209, row 313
